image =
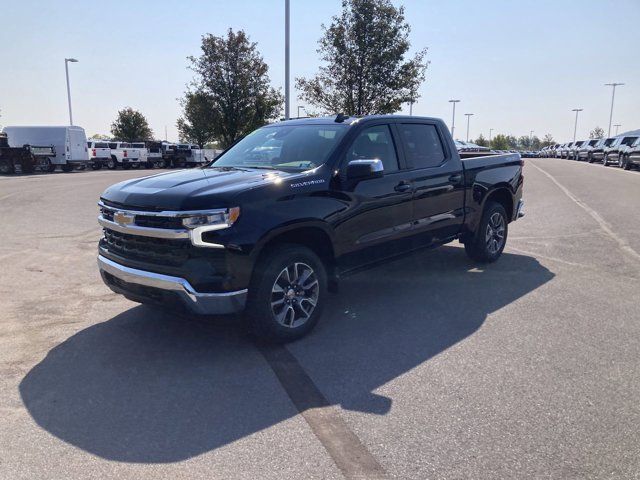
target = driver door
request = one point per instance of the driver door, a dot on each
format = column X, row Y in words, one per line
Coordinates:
column 379, row 210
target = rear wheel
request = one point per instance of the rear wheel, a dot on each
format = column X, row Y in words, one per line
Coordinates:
column 491, row 237
column 67, row 167
column 6, row 167
column 287, row 293
column 626, row 164
column 49, row 166
column 112, row 163
column 96, row 165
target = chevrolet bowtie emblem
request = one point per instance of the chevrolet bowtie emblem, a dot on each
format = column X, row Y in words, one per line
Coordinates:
column 122, row 218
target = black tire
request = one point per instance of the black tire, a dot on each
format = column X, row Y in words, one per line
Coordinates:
column 605, row 160
column 148, row 165
column 261, row 314
column 135, row 166
column 67, row 167
column 126, row 165
column 96, row 165
column 626, row 164
column 112, row 163
column 6, row 167
column 590, row 158
column 480, row 248
column 49, row 166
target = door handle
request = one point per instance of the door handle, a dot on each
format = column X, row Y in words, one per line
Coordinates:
column 402, row 187
column 455, row 178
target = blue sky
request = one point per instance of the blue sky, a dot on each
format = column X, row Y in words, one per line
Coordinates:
column 517, row 65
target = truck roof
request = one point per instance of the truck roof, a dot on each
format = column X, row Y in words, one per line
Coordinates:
column 348, row 120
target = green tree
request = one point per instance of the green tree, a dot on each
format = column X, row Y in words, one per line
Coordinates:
column 197, row 123
column 512, row 142
column 596, row 133
column 548, row 140
column 500, row 142
column 100, row 136
column 131, row 126
column 233, row 74
column 483, row 142
column 365, row 68
column 524, row 143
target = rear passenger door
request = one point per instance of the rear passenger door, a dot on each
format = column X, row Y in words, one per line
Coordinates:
column 437, row 179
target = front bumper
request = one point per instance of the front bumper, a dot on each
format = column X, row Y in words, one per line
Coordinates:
column 143, row 286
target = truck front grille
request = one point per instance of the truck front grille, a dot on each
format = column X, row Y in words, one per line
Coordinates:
column 147, row 249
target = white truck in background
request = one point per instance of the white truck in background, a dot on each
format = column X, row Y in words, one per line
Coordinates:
column 99, row 153
column 123, row 155
column 189, row 155
column 69, row 142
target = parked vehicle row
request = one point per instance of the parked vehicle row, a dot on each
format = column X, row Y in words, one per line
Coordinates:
column 150, row 154
column 30, row 148
column 622, row 151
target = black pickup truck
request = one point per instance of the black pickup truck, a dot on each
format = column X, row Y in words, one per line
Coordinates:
column 274, row 222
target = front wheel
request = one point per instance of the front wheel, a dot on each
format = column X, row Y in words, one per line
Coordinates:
column 626, row 164
column 286, row 294
column 605, row 160
column 112, row 164
column 491, row 237
column 590, row 158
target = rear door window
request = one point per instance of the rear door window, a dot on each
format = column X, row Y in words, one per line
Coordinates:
column 422, row 145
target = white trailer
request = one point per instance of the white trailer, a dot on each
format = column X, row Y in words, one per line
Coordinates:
column 70, row 144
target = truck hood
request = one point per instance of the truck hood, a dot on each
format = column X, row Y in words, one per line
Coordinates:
column 195, row 189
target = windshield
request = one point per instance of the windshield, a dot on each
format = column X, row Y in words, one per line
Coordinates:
column 287, row 147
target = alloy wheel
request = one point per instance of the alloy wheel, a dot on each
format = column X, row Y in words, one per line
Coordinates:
column 494, row 236
column 294, row 295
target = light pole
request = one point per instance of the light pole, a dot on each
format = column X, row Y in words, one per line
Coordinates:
column 617, row 125
column 575, row 126
column 66, row 70
column 301, row 107
column 411, row 108
column 286, row 59
column 468, row 115
column 490, row 131
column 531, row 139
column 453, row 120
column 613, row 95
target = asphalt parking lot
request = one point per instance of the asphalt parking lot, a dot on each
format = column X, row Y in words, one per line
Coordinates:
column 427, row 367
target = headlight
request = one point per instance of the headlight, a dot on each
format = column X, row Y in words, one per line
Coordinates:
column 213, row 220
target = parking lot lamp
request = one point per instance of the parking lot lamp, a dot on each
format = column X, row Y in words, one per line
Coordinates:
column 468, row 115
column 66, row 69
column 613, row 95
column 453, row 120
column 531, row 139
column 575, row 125
column 617, row 125
column 286, row 59
column 490, row 131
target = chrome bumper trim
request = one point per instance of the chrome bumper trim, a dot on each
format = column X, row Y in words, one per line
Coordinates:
column 201, row 303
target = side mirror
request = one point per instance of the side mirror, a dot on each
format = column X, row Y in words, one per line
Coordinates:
column 364, row 169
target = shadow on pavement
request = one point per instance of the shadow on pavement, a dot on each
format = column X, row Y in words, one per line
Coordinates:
column 146, row 387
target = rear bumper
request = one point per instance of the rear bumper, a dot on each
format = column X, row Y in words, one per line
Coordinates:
column 150, row 287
